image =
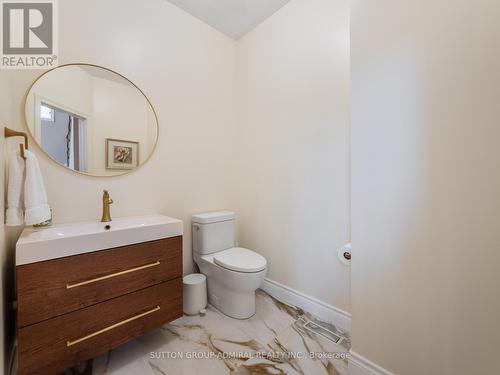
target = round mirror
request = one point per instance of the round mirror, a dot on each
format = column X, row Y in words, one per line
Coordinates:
column 91, row 120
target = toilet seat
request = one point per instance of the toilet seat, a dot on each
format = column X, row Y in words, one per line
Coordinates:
column 240, row 260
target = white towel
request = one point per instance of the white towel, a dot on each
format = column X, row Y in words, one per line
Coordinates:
column 37, row 209
column 15, row 193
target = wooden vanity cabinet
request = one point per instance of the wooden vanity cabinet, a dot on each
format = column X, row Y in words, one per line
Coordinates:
column 74, row 308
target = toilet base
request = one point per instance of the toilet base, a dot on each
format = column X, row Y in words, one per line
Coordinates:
column 238, row 305
column 231, row 292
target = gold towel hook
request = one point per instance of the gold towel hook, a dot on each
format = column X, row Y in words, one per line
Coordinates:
column 14, row 133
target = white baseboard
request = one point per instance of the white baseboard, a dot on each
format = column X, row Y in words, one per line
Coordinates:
column 359, row 365
column 322, row 310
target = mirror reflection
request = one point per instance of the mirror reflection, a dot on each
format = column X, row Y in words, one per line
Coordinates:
column 91, row 120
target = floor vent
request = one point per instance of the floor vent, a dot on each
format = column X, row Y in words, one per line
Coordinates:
column 326, row 333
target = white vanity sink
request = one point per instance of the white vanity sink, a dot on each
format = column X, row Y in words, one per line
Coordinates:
column 39, row 244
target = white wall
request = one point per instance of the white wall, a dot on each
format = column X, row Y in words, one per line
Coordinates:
column 293, row 175
column 425, row 197
column 187, row 69
column 8, row 236
column 5, row 120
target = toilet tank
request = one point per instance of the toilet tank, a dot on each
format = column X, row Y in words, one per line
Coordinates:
column 213, row 231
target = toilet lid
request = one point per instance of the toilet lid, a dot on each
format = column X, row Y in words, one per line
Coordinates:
column 240, row 260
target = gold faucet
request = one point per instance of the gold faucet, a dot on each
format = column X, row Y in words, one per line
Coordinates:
column 106, row 201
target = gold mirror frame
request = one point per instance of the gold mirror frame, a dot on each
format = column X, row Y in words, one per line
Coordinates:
column 125, row 172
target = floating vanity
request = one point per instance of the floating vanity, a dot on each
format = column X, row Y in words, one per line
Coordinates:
column 84, row 289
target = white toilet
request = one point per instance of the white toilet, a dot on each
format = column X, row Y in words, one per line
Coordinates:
column 233, row 273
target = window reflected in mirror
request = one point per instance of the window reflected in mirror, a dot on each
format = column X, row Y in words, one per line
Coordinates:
column 64, row 137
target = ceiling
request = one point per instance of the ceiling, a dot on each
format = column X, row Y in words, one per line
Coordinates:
column 234, row 18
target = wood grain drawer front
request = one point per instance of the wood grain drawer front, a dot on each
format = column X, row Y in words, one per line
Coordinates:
column 54, row 345
column 52, row 288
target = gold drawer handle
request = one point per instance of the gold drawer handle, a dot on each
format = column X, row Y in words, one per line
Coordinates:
column 69, row 286
column 109, row 328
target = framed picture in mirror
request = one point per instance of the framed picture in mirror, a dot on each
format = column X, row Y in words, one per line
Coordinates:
column 121, row 154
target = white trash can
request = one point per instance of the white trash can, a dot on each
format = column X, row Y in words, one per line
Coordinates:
column 195, row 294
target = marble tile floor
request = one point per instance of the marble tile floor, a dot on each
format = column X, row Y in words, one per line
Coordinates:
column 275, row 340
